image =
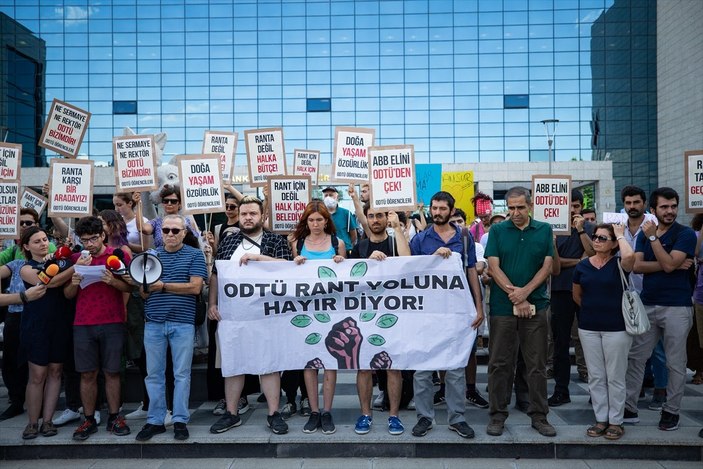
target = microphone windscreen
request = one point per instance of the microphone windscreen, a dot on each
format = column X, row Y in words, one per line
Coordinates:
column 114, row 263
column 52, row 270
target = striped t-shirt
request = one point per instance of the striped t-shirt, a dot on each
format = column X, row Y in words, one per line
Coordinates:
column 178, row 267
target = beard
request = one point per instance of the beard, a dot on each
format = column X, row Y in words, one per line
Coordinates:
column 440, row 220
column 254, row 229
column 377, row 228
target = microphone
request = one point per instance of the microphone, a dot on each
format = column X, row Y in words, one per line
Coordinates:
column 63, row 252
column 47, row 273
column 116, row 265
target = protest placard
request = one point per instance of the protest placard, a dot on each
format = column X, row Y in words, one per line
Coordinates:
column 350, row 162
column 551, row 199
column 135, row 163
column 64, row 129
column 622, row 217
column 392, row 183
column 428, row 181
column 70, row 188
column 10, row 161
column 266, row 154
column 693, row 171
column 201, row 183
column 403, row 313
column 223, row 144
column 9, row 209
column 287, row 198
column 460, row 184
column 306, row 163
column 31, row 199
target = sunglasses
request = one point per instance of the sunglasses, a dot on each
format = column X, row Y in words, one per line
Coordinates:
column 600, row 238
column 230, row 207
column 170, row 201
column 175, row 231
column 26, row 223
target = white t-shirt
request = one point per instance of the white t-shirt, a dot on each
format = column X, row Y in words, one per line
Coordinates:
column 245, row 247
column 132, row 231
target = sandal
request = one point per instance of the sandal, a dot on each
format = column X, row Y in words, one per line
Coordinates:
column 614, row 432
column 598, row 429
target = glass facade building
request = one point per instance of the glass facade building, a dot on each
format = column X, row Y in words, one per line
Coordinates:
column 463, row 80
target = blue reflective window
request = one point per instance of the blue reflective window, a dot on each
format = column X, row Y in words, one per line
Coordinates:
column 516, row 101
column 319, row 105
column 124, row 107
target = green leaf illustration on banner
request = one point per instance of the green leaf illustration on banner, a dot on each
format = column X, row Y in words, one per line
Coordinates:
column 322, row 317
column 313, row 338
column 359, row 269
column 301, row 320
column 326, row 272
column 376, row 340
column 387, row 320
column 367, row 316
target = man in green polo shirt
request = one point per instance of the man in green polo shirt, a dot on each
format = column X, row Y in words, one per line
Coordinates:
column 519, row 254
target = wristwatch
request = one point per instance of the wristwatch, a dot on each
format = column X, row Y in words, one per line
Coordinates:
column 653, row 238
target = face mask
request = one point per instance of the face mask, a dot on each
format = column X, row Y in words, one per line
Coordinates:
column 330, row 202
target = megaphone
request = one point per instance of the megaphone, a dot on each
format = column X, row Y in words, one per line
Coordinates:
column 145, row 269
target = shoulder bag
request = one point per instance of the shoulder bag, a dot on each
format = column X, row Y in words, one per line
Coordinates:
column 636, row 321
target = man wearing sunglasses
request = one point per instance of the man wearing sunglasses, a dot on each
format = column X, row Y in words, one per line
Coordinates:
column 98, row 329
column 170, row 321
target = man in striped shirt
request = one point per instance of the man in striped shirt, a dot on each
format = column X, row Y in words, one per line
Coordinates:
column 170, row 321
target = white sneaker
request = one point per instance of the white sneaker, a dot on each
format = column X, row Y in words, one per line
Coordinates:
column 66, row 416
column 378, row 402
column 220, row 408
column 140, row 413
column 411, row 404
column 167, row 420
column 97, row 417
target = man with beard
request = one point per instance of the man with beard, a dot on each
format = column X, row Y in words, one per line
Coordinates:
column 251, row 243
column 520, row 257
column 664, row 255
column 379, row 246
column 442, row 239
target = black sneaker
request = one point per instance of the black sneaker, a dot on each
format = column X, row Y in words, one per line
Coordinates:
column 558, row 399
column 313, row 423
column 630, row 417
column 327, row 424
column 476, row 399
column 289, row 410
column 242, row 406
column 276, row 424
column 668, row 421
column 423, row 426
column 150, row 430
column 463, row 429
column 180, row 431
column 87, row 428
column 12, row 411
column 225, row 422
column 439, row 398
column 118, row 426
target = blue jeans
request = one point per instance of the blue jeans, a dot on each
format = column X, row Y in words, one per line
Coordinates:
column 157, row 337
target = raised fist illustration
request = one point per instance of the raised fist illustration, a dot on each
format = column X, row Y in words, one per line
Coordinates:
column 381, row 361
column 315, row 363
column 343, row 343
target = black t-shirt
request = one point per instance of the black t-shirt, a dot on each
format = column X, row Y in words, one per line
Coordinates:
column 223, row 230
column 368, row 247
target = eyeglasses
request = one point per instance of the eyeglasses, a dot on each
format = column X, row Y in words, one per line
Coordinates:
column 230, row 207
column 600, row 238
column 170, row 201
column 175, row 231
column 91, row 240
column 26, row 223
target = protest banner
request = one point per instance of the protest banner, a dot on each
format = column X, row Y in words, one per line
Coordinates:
column 201, row 183
column 403, row 313
column 64, row 129
column 10, row 161
column 34, row 200
column 287, row 198
column 9, row 209
column 428, row 181
column 460, row 184
column 621, row 218
column 350, row 162
column 135, row 163
column 70, row 188
column 266, row 154
column 392, row 183
column 307, row 163
column 551, row 199
column 223, row 144
column 693, row 170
